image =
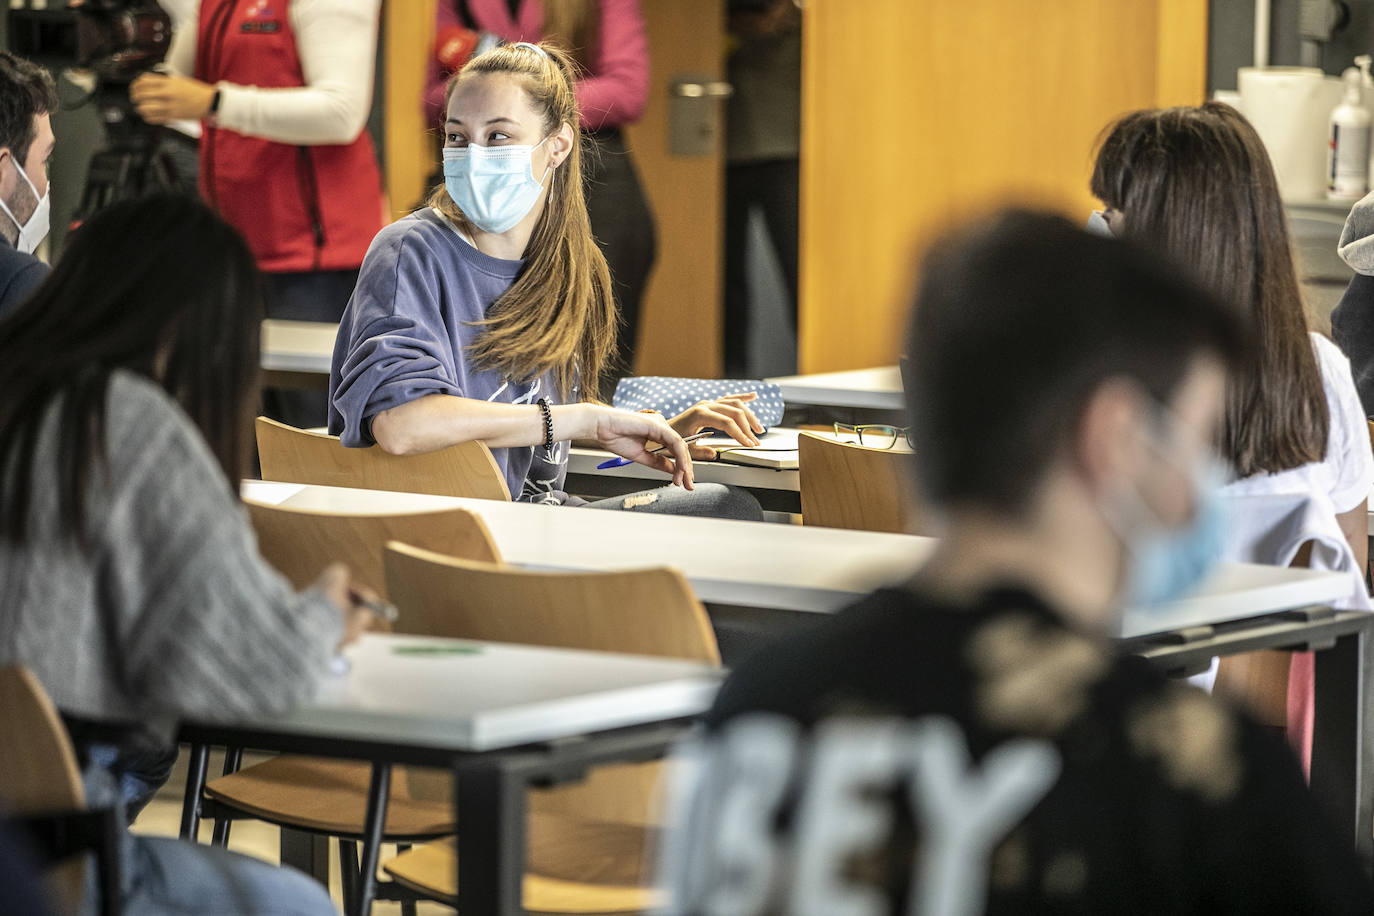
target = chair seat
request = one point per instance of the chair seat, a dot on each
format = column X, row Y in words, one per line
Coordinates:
column 574, row 866
column 330, row 796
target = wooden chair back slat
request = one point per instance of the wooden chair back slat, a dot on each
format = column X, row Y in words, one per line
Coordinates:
column 846, row 485
column 302, row 542
column 294, row 455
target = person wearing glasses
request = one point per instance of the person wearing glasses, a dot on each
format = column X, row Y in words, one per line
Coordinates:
column 971, row 740
column 487, row 314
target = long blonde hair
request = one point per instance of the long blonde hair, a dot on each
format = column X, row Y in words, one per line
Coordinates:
column 559, row 315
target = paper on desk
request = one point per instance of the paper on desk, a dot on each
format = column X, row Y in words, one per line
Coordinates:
column 783, row 440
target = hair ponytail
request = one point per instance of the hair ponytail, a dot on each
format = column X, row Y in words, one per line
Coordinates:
column 559, row 315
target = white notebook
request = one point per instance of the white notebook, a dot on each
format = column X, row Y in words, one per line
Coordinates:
column 777, row 449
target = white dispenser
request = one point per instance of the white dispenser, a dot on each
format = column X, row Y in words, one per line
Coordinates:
column 1347, row 158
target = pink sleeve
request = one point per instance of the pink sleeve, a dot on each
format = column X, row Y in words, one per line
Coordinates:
column 445, row 16
column 617, row 88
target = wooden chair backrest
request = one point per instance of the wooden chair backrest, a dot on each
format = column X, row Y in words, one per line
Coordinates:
column 846, row 485
column 302, row 542
column 643, row 611
column 640, row 611
column 292, row 455
column 38, row 768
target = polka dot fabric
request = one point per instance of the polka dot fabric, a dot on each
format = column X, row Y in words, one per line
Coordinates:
column 671, row 396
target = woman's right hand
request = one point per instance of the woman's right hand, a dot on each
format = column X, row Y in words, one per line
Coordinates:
column 336, row 583
column 636, row 435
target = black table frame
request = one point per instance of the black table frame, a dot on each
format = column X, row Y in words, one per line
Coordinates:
column 489, row 796
column 1342, row 776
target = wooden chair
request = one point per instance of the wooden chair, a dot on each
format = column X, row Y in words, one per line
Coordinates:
column 320, row 795
column 40, row 788
column 292, row 455
column 845, row 485
column 301, row 542
column 587, row 841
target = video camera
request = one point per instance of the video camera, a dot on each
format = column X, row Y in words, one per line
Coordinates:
column 115, row 39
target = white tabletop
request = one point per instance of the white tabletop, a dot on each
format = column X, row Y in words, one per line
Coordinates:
column 1236, row 591
column 464, row 695
column 785, row 567
column 298, row 346
column 876, row 389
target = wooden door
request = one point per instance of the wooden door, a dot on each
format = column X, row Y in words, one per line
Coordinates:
column 410, row 150
column 916, row 115
column 680, row 327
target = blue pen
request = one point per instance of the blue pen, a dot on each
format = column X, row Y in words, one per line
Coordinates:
column 621, row 462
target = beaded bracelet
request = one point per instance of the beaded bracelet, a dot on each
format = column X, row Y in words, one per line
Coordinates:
column 548, row 423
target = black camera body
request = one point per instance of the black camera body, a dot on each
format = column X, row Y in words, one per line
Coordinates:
column 117, row 39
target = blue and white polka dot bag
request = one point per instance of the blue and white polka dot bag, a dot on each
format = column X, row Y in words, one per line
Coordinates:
column 671, row 396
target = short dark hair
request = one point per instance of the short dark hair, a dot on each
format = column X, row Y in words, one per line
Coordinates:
column 1017, row 322
column 26, row 91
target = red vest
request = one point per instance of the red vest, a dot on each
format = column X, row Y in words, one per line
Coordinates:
column 300, row 207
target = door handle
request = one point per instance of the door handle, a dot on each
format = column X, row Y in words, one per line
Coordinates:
column 714, row 89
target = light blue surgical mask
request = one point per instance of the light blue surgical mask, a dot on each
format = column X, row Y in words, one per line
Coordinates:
column 494, row 186
column 1165, row 563
column 1098, row 225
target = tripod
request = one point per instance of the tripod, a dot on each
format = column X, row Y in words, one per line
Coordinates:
column 138, row 157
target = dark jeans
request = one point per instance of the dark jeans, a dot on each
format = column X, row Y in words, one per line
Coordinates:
column 307, row 296
column 771, row 186
column 708, row 500
column 624, row 230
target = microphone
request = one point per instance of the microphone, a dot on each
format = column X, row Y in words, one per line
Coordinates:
column 453, row 46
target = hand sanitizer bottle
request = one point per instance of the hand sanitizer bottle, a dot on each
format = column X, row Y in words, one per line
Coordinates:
column 1347, row 158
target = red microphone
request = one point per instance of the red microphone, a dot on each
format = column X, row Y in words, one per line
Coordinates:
column 453, row 46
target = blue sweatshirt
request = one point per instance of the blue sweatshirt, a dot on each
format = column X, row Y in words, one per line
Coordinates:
column 406, row 333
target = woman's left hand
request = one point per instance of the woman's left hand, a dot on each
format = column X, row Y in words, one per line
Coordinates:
column 160, row 98
column 728, row 414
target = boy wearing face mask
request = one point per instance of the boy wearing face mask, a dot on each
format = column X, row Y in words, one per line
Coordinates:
column 969, row 741
column 27, row 99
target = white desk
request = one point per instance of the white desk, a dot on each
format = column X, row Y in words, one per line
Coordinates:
column 781, row 567
column 501, row 717
column 1236, row 591
column 298, row 346
column 488, row 696
column 874, row 389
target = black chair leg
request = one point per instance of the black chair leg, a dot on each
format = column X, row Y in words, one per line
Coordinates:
column 349, row 871
column 233, row 759
column 195, row 784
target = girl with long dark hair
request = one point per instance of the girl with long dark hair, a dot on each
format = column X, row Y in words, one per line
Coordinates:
column 130, row 581
column 1197, row 183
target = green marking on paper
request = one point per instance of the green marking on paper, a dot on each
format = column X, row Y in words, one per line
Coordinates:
column 436, row 650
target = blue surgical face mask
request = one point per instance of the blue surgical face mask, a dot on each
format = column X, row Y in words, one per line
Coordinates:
column 1098, row 225
column 494, row 186
column 1165, row 563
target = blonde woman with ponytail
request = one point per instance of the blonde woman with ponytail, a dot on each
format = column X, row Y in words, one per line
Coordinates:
column 486, row 314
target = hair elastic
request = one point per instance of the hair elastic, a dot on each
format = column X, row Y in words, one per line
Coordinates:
column 535, row 48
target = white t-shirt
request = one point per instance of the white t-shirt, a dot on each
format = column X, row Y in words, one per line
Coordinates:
column 1346, row 474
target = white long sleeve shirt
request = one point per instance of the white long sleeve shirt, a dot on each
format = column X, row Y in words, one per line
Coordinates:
column 337, row 44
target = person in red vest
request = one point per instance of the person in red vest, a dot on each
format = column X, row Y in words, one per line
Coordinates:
column 283, row 89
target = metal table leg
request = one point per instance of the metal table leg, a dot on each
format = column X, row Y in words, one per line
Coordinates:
column 373, row 829
column 489, row 802
column 1342, row 758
